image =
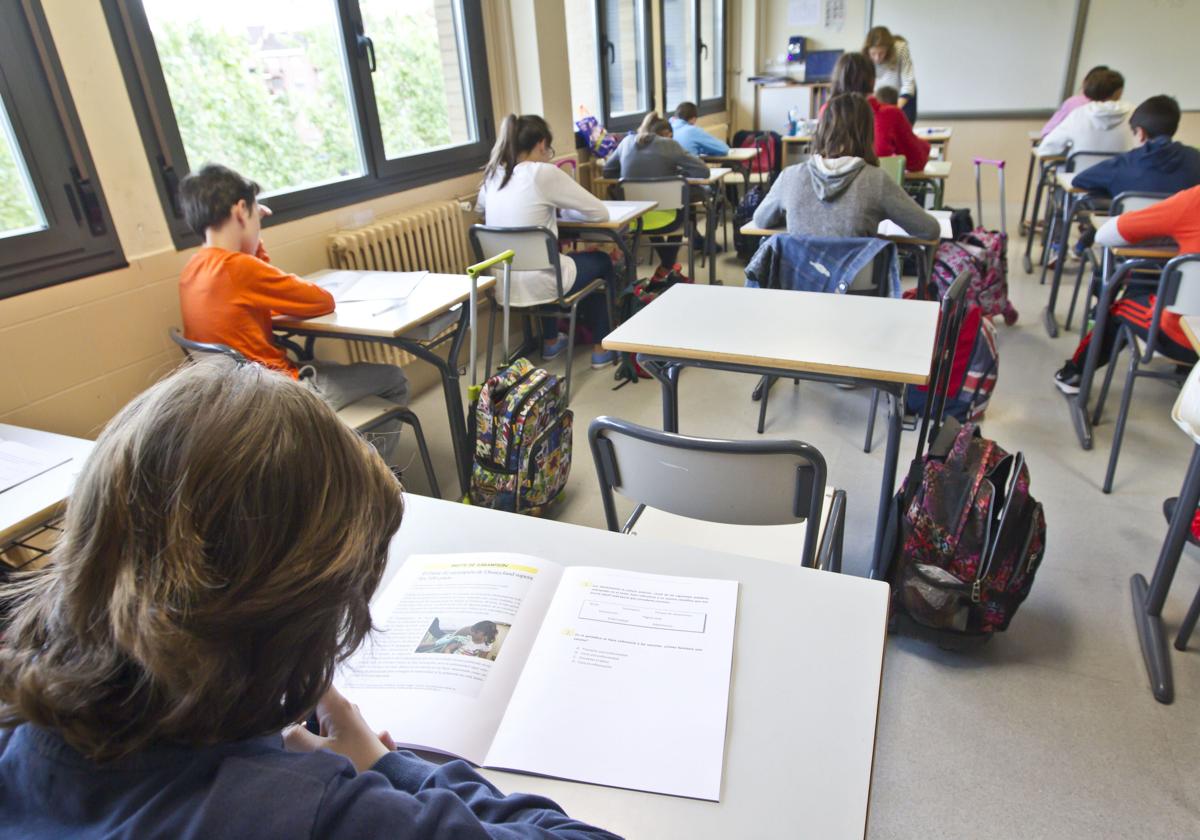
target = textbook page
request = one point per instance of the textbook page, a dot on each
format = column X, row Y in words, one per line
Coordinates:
column 627, row 684
column 424, row 676
column 19, row 463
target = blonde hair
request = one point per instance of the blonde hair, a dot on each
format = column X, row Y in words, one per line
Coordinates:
column 220, row 549
column 652, row 126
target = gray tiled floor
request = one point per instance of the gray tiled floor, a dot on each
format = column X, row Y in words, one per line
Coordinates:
column 1050, row 730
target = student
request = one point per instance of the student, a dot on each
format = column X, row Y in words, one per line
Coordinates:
column 1097, row 126
column 887, row 95
column 692, row 137
column 1072, row 102
column 1178, row 218
column 475, row 640
column 213, row 572
column 840, row 190
column 229, row 290
column 653, row 153
column 521, row 188
column 1157, row 164
column 893, row 67
column 894, row 135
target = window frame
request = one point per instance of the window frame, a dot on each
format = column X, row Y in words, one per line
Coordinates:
column 79, row 238
column 714, row 104
column 163, row 142
column 625, row 122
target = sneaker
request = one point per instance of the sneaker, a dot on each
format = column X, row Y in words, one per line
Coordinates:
column 551, row 352
column 1052, row 257
column 603, row 360
column 1067, row 378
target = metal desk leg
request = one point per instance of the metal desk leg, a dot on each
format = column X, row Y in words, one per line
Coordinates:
column 1025, row 199
column 1048, row 318
column 667, row 375
column 1037, row 203
column 1148, row 600
column 1078, row 404
column 887, row 488
column 710, row 237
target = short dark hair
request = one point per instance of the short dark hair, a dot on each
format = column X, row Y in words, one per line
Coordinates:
column 207, row 195
column 1158, row 116
column 1101, row 85
column 853, row 73
column 888, row 95
column 847, row 127
column 687, row 111
column 487, row 628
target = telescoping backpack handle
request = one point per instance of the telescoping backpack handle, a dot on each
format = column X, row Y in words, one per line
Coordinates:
column 999, row 164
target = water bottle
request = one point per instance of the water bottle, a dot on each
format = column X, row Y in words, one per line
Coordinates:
column 793, row 121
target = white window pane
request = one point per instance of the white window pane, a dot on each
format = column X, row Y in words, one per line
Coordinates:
column 260, row 87
column 628, row 90
column 712, row 38
column 679, row 41
column 581, row 52
column 20, row 211
column 421, row 77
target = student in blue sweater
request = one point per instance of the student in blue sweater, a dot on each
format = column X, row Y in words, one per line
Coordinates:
column 692, row 137
column 221, row 546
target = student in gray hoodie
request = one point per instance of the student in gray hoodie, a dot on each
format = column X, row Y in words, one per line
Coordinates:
column 840, row 190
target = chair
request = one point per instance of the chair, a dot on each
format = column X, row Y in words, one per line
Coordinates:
column 893, row 165
column 674, row 209
column 1126, row 202
column 762, row 498
column 536, row 249
column 1057, row 214
column 1178, row 290
column 361, row 415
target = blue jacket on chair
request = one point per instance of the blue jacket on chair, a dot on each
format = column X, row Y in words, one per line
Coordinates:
column 817, row 263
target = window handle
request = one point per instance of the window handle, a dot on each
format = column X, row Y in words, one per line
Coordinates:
column 704, row 50
column 612, row 52
column 367, row 47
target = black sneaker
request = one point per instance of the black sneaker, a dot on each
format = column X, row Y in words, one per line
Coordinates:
column 1067, row 378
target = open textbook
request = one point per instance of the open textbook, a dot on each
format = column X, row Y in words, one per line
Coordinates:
column 516, row 663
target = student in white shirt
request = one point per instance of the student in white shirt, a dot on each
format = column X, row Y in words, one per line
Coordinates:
column 1099, row 126
column 521, row 188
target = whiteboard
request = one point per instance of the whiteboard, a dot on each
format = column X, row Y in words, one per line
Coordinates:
column 979, row 56
column 1152, row 43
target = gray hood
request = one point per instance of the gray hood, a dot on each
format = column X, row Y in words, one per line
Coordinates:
column 832, row 176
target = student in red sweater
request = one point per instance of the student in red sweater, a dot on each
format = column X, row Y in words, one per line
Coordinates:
column 854, row 73
column 229, row 291
column 1178, row 218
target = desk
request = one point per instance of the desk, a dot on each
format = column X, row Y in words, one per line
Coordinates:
column 621, row 214
column 400, row 326
column 740, row 159
column 34, row 502
column 1035, row 137
column 935, row 172
column 788, row 334
column 1073, row 201
column 801, row 730
column 1143, row 257
column 936, row 136
column 1048, row 166
column 1191, row 328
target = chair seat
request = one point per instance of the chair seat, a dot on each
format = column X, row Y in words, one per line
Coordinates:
column 368, row 411
column 780, row 543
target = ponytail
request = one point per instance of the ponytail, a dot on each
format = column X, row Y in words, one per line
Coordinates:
column 652, row 126
column 517, row 136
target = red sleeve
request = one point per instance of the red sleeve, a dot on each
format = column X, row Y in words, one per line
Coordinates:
column 267, row 287
column 895, row 128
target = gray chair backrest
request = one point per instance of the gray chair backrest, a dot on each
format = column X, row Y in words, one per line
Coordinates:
column 670, row 192
column 190, row 347
column 1132, row 200
column 737, row 482
column 1081, row 160
column 534, row 248
column 1186, row 270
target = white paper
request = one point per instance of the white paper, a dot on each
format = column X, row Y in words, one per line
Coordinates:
column 450, row 699
column 889, row 228
column 835, row 14
column 804, row 12
column 19, row 463
column 627, row 684
column 348, row 286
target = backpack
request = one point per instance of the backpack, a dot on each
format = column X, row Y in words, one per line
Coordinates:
column 769, row 156
column 522, row 437
column 971, row 537
column 635, row 298
column 983, row 255
column 973, row 372
column 744, row 244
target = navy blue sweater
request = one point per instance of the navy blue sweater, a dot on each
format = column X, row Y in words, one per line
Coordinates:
column 256, row 789
column 1160, row 165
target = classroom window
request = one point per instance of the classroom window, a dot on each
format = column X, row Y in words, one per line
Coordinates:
column 624, row 55
column 54, row 224
column 322, row 102
column 694, row 53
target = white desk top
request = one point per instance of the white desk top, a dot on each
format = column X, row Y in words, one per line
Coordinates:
column 933, row 170
column 804, row 697
column 715, row 174
column 33, row 502
column 934, row 133
column 620, row 213
column 879, row 339
column 887, row 228
column 736, row 154
column 1065, row 180
column 1035, row 136
column 420, row 300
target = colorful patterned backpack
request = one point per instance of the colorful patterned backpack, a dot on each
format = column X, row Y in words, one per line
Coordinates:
column 971, row 537
column 983, row 255
column 522, row 441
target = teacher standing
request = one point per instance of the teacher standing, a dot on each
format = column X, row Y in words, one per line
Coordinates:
column 893, row 67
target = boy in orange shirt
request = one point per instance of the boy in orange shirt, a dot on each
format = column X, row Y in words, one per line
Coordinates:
column 229, row 290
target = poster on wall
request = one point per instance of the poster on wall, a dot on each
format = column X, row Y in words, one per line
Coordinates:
column 804, row 13
column 835, row 14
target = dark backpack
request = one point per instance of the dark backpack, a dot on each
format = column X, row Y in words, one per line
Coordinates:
column 635, row 298
column 744, row 244
column 973, row 373
column 971, row 538
column 522, row 441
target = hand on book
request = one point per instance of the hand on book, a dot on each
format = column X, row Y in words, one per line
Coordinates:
column 343, row 731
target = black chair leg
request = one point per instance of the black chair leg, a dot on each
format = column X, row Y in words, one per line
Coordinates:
column 871, row 420
column 410, row 419
column 767, row 383
column 1119, row 431
column 1189, row 624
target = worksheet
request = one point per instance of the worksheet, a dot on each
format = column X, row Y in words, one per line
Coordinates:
column 19, row 463
column 513, row 662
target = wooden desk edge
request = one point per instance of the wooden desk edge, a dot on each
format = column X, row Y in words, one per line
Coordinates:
column 1191, row 333
column 14, row 532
